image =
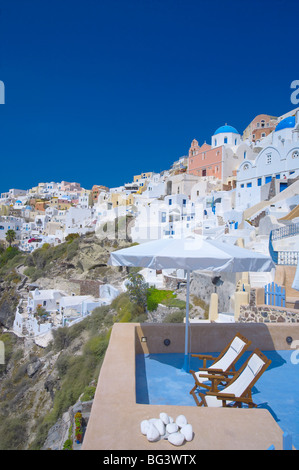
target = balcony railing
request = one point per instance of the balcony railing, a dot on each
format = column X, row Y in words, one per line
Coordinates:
column 283, row 232
column 287, row 258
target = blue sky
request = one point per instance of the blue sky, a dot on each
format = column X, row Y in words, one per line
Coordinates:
column 99, row 90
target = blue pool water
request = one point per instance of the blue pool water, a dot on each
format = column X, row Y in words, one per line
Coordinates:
column 160, row 380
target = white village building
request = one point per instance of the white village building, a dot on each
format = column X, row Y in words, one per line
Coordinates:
column 275, row 164
column 57, row 309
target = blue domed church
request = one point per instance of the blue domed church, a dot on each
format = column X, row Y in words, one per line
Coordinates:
column 226, row 135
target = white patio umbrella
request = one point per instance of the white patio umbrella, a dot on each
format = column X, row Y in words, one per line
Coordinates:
column 191, row 254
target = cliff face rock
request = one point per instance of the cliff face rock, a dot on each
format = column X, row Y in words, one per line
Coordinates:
column 23, row 396
column 30, row 379
column 9, row 298
column 83, row 259
column 34, row 381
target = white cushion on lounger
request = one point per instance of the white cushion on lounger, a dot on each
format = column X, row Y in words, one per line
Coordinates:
column 238, row 387
column 226, row 360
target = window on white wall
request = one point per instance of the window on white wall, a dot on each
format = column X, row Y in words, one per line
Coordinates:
column 268, row 159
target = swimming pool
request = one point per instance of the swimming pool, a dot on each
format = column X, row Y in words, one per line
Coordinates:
column 160, row 380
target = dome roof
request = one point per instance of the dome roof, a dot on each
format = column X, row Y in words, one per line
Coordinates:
column 286, row 123
column 225, row 129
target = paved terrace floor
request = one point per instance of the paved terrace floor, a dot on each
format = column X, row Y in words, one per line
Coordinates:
column 115, row 418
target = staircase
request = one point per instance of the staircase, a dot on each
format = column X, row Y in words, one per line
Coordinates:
column 254, row 211
column 291, row 190
column 255, row 222
column 291, row 215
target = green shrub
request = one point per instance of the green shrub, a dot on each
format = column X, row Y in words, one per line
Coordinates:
column 8, row 254
column 61, row 338
column 9, row 259
column 72, row 249
column 127, row 311
column 80, row 371
column 29, row 271
column 96, row 347
column 138, row 314
column 46, row 246
column 13, row 432
column 13, row 276
column 62, row 364
column 122, row 305
column 176, row 317
column 157, row 296
column 137, row 289
column 68, row 445
column 9, row 341
column 198, row 302
column 99, row 318
column 88, row 393
column 71, row 237
column 42, row 258
column 126, row 317
column 175, row 303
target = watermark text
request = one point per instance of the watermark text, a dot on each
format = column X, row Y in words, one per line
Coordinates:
column 2, row 92
column 295, row 354
column 295, row 94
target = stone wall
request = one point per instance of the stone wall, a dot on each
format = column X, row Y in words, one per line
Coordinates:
column 87, row 287
column 201, row 285
column 266, row 313
column 172, row 282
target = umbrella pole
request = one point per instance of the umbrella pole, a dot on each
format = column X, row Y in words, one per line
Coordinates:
column 186, row 358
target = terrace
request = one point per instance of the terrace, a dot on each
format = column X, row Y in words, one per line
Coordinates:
column 115, row 418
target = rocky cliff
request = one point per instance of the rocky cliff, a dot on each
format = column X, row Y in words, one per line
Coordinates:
column 39, row 385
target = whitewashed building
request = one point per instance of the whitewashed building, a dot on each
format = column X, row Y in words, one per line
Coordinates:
column 47, row 298
column 276, row 163
column 75, row 307
column 10, row 223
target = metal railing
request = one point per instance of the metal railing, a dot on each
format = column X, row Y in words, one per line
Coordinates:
column 286, row 231
column 286, row 258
